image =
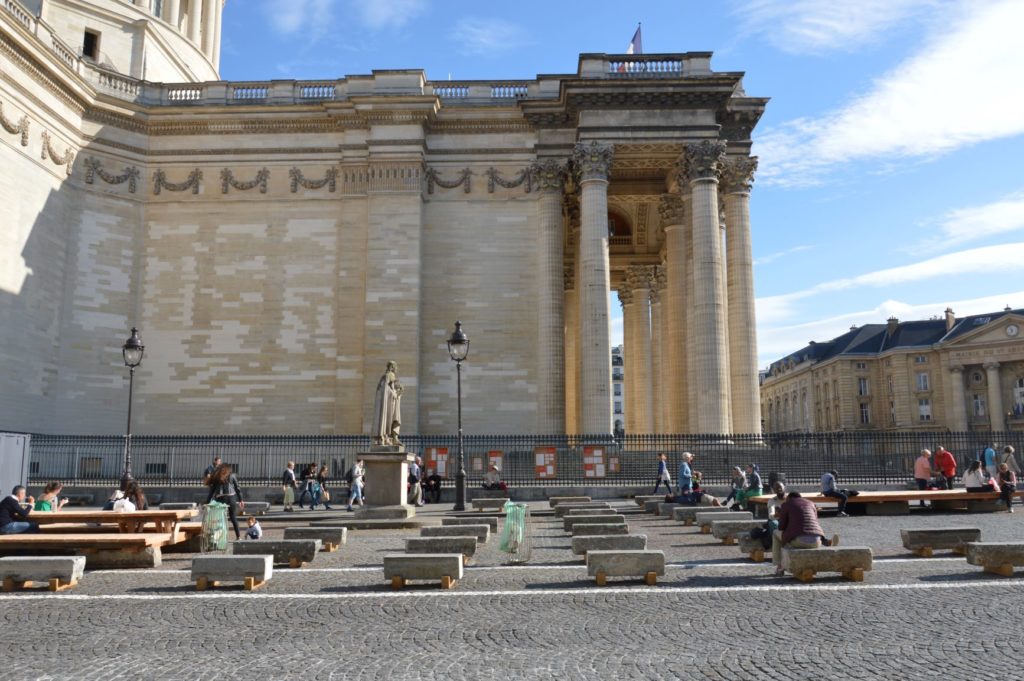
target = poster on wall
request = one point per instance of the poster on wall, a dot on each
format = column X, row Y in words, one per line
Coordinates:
column 436, row 458
column 544, row 462
column 477, row 464
column 613, row 464
column 593, row 462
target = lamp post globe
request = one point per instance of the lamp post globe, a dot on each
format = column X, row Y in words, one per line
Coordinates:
column 132, row 352
column 458, row 349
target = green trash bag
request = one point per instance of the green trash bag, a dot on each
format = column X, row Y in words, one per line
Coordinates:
column 215, row 528
column 515, row 537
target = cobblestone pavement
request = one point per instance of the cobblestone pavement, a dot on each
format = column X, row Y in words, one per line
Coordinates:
column 714, row 615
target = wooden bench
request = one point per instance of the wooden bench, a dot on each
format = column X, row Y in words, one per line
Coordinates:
column 647, row 564
column 252, row 571
column 553, row 502
column 476, row 520
column 399, row 568
column 728, row 530
column 999, row 558
column 466, row 545
column 924, row 542
column 291, row 552
column 850, row 561
column 583, row 529
column 112, row 549
column 481, row 532
column 704, row 520
column 330, row 537
column 688, row 514
column 57, row 572
column 897, row 502
column 134, row 522
column 493, row 504
column 179, row 506
column 608, row 542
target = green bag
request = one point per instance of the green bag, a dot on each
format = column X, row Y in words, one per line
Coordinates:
column 215, row 528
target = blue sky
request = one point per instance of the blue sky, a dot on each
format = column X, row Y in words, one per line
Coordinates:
column 891, row 179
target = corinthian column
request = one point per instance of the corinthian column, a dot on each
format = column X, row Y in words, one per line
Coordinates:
column 641, row 280
column 550, row 299
column 958, row 424
column 997, row 419
column 630, row 350
column 710, row 355
column 172, row 12
column 674, row 345
column 209, row 26
column 572, row 363
column 657, row 352
column 219, row 6
column 737, row 176
column 195, row 13
column 593, row 161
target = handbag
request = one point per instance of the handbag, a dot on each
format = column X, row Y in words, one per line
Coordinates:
column 326, row 495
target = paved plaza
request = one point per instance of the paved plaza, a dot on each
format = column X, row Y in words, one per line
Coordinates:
column 714, row 615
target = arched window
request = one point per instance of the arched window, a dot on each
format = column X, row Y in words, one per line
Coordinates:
column 620, row 232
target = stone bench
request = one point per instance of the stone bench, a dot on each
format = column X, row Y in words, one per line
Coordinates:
column 582, row 529
column 608, row 542
column 996, row 557
column 605, row 519
column 647, row 564
column 572, row 512
column 642, row 499
column 553, row 502
column 704, row 520
column 563, row 509
column 400, row 568
column 256, row 507
column 688, row 514
column 666, row 508
column 490, row 522
column 253, row 571
column 850, row 561
column 753, row 548
column 291, row 552
column 493, row 504
column 330, row 537
column 466, row 545
column 924, row 542
column 652, row 505
column 481, row 531
column 179, row 506
column 728, row 530
column 58, row 572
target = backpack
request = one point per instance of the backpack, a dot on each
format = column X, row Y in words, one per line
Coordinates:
column 350, row 476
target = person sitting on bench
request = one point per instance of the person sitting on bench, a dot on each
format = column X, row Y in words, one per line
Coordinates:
column 492, row 480
column 432, row 487
column 829, row 489
column 975, row 480
column 13, row 516
column 799, row 528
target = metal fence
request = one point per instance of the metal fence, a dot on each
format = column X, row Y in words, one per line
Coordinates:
column 525, row 460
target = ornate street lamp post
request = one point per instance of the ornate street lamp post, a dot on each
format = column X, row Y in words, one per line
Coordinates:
column 458, row 348
column 132, row 351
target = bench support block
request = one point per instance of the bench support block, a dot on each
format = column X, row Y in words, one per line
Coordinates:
column 925, row 552
column 757, row 556
column 601, row 579
column 804, row 575
column 1001, row 570
column 854, row 575
column 447, row 582
column 651, row 578
column 397, row 582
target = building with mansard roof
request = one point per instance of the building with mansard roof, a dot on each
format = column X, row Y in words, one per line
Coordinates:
column 277, row 243
column 960, row 374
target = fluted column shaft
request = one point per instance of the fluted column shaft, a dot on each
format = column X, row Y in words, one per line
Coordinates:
column 218, row 14
column 572, row 320
column 550, row 301
column 172, row 12
column 630, row 351
column 657, row 359
column 209, row 26
column 710, row 356
column 742, row 319
column 641, row 279
column 593, row 161
column 997, row 418
column 674, row 308
column 959, row 408
column 195, row 13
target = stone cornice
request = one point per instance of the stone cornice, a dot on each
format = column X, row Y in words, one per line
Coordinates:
column 36, row 71
column 478, row 126
column 738, row 174
column 704, row 159
column 593, row 161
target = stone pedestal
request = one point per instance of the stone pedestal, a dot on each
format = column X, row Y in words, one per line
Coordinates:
column 387, row 469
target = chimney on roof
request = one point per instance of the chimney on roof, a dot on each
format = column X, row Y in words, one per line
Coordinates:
column 893, row 325
column 1007, row 309
column 853, row 327
column 950, row 319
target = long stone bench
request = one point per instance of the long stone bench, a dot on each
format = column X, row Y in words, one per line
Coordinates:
column 608, row 542
column 647, row 564
column 466, row 545
column 563, row 509
column 108, row 549
column 652, row 505
column 490, row 522
column 553, row 502
column 582, row 529
column 754, row 548
column 642, row 499
column 481, row 532
column 924, row 542
column 850, row 561
column 80, row 499
column 493, row 504
column 401, row 567
column 178, row 506
column 57, row 572
column 253, row 571
column 996, row 557
column 688, row 514
column 572, row 512
column 666, row 508
column 291, row 552
column 330, row 537
column 704, row 520
column 605, row 519
column 728, row 530
column 255, row 508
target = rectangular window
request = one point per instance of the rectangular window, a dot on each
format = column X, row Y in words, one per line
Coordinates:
column 922, row 382
column 888, row 380
column 618, row 390
column 862, row 386
column 618, row 407
column 158, row 8
column 979, row 405
column 892, row 412
column 862, row 365
column 920, row 359
column 91, row 45
column 924, row 409
column 865, row 413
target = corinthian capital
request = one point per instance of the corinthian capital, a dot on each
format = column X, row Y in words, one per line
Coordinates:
column 625, row 296
column 593, row 160
column 548, row 175
column 640, row 276
column 738, row 173
column 671, row 210
column 704, row 159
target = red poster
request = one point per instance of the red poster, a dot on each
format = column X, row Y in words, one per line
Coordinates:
column 436, row 458
column 544, row 462
column 593, row 462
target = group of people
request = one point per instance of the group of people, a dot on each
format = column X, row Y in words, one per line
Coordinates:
column 314, row 482
column 688, row 491
column 991, row 472
column 423, row 486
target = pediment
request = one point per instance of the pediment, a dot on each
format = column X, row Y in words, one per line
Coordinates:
column 993, row 331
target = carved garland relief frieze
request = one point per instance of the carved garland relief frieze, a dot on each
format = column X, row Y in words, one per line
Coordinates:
column 525, row 177
column 299, row 180
column 160, row 182
column 21, row 127
column 66, row 159
column 93, row 168
column 227, row 181
column 433, row 178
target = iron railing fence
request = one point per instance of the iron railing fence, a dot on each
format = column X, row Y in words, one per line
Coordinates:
column 861, row 457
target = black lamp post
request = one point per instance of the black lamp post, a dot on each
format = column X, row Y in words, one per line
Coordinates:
column 132, row 351
column 458, row 348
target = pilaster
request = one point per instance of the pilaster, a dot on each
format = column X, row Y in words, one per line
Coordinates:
column 658, row 367
column 640, row 279
column 572, row 373
column 674, row 307
column 551, row 399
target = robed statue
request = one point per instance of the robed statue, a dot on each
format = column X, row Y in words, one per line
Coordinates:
column 387, row 408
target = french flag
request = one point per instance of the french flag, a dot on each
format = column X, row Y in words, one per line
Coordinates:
column 636, row 45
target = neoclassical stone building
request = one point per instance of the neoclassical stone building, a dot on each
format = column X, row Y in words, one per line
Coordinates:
column 949, row 373
column 278, row 242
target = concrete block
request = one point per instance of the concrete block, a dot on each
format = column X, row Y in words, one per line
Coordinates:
column 665, row 509
column 985, row 505
column 490, row 504
column 652, row 505
column 607, row 518
column 490, row 522
column 330, row 537
column 728, row 530
column 252, row 570
column 465, row 545
column 887, row 508
column 563, row 509
column 608, row 542
column 573, row 512
column 481, row 531
column 704, row 520
column 57, row 572
column 688, row 514
column 753, row 548
column 647, row 564
column 924, row 542
column 256, row 507
column 555, row 501
column 851, row 561
column 148, row 557
column 291, row 552
column 400, row 568
column 996, row 557
column 642, row 499
column 582, row 529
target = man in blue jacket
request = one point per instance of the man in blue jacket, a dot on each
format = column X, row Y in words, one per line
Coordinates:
column 14, row 517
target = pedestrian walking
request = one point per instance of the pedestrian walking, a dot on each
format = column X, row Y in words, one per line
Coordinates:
column 224, row 488
column 355, row 478
column 288, row 484
column 308, row 480
column 323, row 495
column 663, row 476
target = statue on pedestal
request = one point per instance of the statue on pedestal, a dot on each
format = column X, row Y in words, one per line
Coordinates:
column 387, row 408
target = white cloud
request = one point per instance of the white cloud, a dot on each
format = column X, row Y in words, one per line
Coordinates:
column 378, row 14
column 977, row 222
column 814, row 26
column 293, row 16
column 486, row 36
column 962, row 87
column 772, row 257
column 775, row 342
